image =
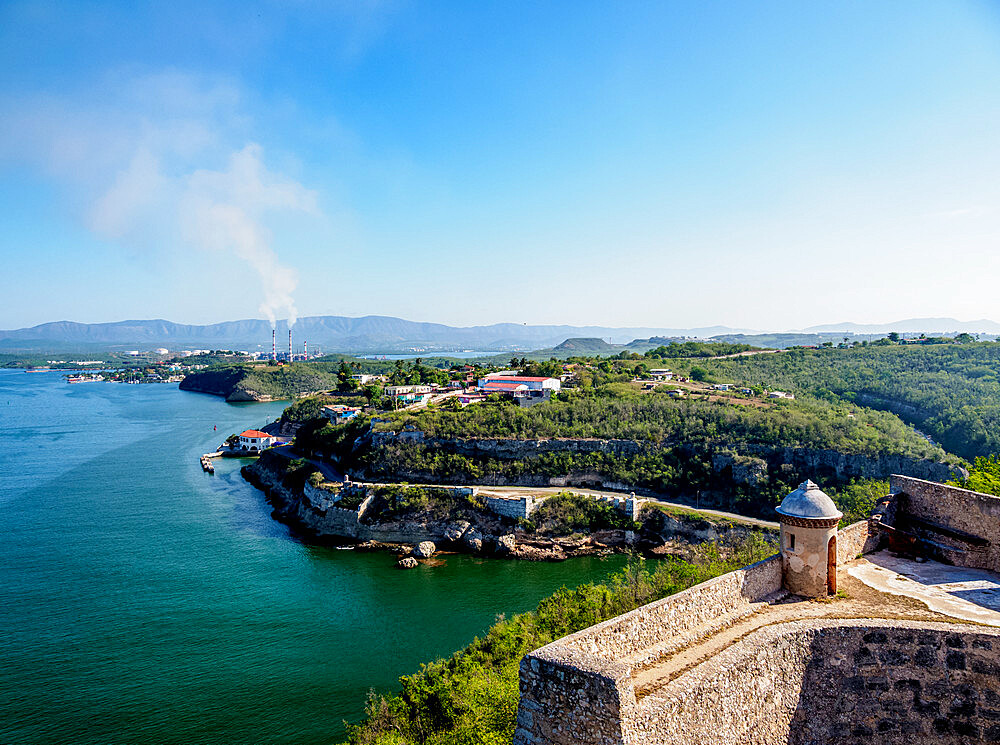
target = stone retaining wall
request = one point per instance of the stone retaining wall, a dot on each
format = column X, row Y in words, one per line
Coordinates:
column 854, row 540
column 672, row 616
column 963, row 525
column 576, row 689
column 798, row 683
column 518, row 508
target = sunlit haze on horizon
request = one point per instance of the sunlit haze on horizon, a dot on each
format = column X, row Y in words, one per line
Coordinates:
column 760, row 165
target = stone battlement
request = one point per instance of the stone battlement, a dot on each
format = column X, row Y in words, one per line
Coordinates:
column 905, row 652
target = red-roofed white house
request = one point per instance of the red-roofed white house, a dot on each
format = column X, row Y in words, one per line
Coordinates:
column 497, row 385
column 254, row 439
column 530, row 383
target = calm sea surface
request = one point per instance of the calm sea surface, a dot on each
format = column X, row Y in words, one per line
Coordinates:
column 143, row 601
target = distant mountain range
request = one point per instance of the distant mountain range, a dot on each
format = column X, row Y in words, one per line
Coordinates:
column 911, row 325
column 388, row 334
column 331, row 333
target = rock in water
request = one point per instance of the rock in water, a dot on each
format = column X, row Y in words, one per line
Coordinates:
column 506, row 544
column 456, row 530
column 407, row 562
column 473, row 540
column 424, row 550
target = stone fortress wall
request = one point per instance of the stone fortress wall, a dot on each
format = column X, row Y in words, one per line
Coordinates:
column 585, row 678
column 958, row 526
column 518, row 508
column 794, row 681
column 834, row 682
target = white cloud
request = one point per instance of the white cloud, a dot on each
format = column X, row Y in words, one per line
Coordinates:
column 160, row 159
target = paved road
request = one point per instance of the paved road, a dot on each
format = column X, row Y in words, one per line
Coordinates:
column 328, row 471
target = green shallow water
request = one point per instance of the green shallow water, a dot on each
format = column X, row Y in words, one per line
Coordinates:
column 142, row 600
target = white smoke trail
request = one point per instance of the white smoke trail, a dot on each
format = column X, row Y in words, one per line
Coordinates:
column 134, row 154
column 222, row 210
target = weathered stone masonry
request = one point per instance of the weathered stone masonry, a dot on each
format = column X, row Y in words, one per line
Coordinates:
column 899, row 680
column 579, row 688
column 958, row 526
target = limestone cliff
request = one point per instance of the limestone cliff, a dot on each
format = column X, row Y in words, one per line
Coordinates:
column 718, row 474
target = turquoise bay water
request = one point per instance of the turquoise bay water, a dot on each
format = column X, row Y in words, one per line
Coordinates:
column 142, row 600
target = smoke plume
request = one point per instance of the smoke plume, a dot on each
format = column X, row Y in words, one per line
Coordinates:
column 222, row 210
column 134, row 163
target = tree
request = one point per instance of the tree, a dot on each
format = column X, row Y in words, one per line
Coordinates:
column 893, row 337
column 699, row 373
column 345, row 383
column 373, row 392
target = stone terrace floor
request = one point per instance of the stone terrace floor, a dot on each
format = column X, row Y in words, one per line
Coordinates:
column 878, row 585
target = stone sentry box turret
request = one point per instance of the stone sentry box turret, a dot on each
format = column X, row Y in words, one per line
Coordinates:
column 809, row 520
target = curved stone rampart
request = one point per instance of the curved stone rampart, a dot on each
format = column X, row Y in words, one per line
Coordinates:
column 795, row 683
column 834, row 681
column 671, row 617
column 579, row 688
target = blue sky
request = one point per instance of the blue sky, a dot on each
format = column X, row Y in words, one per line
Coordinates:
column 762, row 165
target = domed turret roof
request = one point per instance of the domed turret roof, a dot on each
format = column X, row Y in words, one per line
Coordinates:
column 809, row 501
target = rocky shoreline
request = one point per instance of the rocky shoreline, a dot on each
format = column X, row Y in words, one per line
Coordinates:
column 313, row 511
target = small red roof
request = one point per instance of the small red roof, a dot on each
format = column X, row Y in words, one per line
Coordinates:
column 254, row 433
column 503, row 386
column 511, row 378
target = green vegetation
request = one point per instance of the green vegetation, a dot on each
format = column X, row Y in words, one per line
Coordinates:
column 566, row 513
column 256, row 382
column 951, row 391
column 687, row 349
column 984, row 476
column 471, row 697
column 398, row 501
column 311, row 407
column 621, row 412
column 857, row 498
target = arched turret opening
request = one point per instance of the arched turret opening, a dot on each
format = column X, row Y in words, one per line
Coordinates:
column 831, row 566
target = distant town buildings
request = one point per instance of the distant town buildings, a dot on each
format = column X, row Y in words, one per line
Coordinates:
column 500, row 381
column 365, row 378
column 339, row 413
column 409, row 394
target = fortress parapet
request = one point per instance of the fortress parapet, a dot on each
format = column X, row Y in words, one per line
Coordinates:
column 750, row 658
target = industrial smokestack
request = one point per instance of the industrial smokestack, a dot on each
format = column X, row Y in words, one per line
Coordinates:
column 289, row 345
column 305, row 350
column 274, row 350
